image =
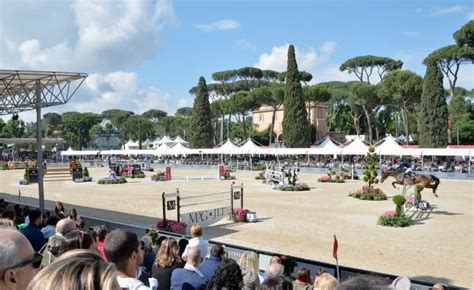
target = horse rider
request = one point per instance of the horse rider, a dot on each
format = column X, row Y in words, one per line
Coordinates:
column 406, row 168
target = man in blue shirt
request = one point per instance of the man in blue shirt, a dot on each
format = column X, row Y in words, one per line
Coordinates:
column 33, row 231
column 209, row 266
column 189, row 277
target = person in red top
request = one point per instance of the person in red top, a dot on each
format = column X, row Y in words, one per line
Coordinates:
column 102, row 231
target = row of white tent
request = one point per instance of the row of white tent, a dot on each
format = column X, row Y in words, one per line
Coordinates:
column 156, row 143
column 387, row 147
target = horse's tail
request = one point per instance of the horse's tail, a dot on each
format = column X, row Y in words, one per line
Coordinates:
column 435, row 182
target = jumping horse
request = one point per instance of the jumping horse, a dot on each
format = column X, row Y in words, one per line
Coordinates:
column 427, row 181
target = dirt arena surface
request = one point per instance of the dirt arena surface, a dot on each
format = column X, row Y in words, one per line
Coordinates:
column 439, row 247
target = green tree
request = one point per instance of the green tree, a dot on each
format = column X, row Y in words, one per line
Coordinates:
column 154, row 115
column 201, row 131
column 184, row 112
column 465, row 35
column 13, row 129
column 76, row 127
column 368, row 100
column 433, row 113
column 138, row 128
column 315, row 95
column 241, row 103
column 405, row 88
column 461, row 112
column 51, row 123
column 363, row 67
column 117, row 117
column 449, row 59
column 295, row 119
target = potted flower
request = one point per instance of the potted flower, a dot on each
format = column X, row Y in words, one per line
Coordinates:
column 171, row 226
column 240, row 214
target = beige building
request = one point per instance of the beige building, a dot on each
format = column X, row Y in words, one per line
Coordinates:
column 262, row 119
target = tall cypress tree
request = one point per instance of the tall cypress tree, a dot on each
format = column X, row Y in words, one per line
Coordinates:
column 201, row 127
column 433, row 114
column 296, row 131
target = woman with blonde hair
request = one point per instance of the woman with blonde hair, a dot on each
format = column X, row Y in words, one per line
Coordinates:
column 166, row 261
column 249, row 265
column 325, row 281
column 77, row 270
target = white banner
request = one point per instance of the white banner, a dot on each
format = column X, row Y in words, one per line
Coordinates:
column 205, row 217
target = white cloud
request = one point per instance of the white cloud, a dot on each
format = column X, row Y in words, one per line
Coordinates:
column 442, row 10
column 331, row 72
column 105, row 35
column 185, row 102
column 225, row 24
column 470, row 16
column 307, row 60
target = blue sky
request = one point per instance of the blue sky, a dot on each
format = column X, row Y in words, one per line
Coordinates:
column 148, row 54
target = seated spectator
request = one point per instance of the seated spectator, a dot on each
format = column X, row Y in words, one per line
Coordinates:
column 123, row 249
column 183, row 243
column 59, row 209
column 167, row 260
column 18, row 261
column 227, row 276
column 50, row 228
column 78, row 269
column 325, row 281
column 197, row 241
column 209, row 266
column 189, row 277
column 303, row 280
column 364, row 282
column 279, row 283
column 102, row 232
column 72, row 214
column 249, row 265
column 33, row 231
column 77, row 240
column 149, row 255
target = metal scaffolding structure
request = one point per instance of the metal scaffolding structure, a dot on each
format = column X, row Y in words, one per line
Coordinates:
column 33, row 90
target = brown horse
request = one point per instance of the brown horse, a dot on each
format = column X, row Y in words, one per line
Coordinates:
column 427, row 181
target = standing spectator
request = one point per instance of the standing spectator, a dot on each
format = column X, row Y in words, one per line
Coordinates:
column 56, row 243
column 33, row 231
column 50, row 228
column 167, row 260
column 274, row 259
column 5, row 223
column 78, row 269
column 209, row 266
column 102, row 232
column 123, row 249
column 59, row 209
column 189, row 277
column 249, row 264
column 278, row 283
column 149, row 255
column 197, row 241
column 275, row 270
column 18, row 261
column 73, row 214
column 228, row 276
column 303, row 280
column 9, row 214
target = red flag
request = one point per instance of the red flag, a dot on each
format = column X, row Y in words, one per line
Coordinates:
column 334, row 248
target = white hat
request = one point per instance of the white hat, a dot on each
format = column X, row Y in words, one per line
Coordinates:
column 401, row 283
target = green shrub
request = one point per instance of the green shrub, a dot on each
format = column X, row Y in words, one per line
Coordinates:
column 398, row 221
column 85, row 172
column 112, row 181
column 258, row 167
column 418, row 189
column 399, row 201
column 4, row 166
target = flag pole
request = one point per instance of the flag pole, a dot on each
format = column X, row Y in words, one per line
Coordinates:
column 334, row 254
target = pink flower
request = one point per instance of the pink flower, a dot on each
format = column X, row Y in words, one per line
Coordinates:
column 325, row 178
column 410, row 199
column 390, row 213
column 360, row 190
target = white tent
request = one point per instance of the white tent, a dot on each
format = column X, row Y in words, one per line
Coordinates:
column 390, row 147
column 178, row 149
column 180, row 140
column 326, row 147
column 228, row 148
column 163, row 149
column 71, row 152
column 147, row 143
column 251, row 148
column 355, row 147
column 130, row 144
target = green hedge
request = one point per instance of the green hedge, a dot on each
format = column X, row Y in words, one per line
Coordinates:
column 397, row 222
column 112, row 181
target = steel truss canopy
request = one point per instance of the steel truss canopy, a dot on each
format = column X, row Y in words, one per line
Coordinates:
column 18, row 89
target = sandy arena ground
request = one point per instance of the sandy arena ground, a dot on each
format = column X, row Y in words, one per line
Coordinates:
column 438, row 247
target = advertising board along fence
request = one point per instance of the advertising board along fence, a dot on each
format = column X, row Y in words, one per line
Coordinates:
column 174, row 201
